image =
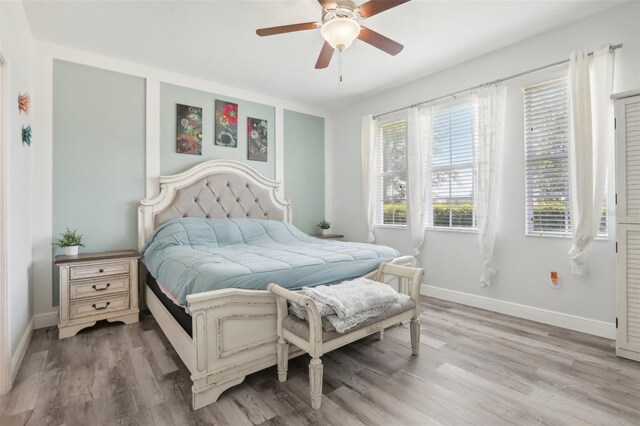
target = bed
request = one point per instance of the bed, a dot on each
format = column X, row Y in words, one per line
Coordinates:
column 226, row 210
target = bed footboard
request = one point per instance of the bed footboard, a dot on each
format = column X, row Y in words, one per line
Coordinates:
column 234, row 334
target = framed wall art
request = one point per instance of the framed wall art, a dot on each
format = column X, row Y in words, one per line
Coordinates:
column 226, row 127
column 188, row 130
column 257, row 139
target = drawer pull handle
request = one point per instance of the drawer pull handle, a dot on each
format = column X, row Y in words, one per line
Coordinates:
column 101, row 270
column 101, row 289
column 100, row 307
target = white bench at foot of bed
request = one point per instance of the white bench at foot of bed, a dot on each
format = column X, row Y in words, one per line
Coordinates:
column 234, row 334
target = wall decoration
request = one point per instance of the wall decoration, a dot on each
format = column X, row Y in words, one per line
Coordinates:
column 24, row 103
column 189, row 130
column 257, row 139
column 226, row 124
column 26, row 135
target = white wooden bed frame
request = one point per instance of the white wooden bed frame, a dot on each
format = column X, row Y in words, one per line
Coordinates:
column 234, row 330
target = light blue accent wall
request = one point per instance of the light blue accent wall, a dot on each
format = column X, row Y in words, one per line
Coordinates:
column 304, row 168
column 98, row 155
column 172, row 162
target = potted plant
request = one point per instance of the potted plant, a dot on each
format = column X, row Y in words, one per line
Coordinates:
column 325, row 226
column 70, row 240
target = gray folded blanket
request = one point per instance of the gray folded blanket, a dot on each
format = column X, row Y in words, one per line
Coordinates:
column 343, row 306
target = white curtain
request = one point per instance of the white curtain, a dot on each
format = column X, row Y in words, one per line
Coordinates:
column 419, row 147
column 591, row 134
column 490, row 110
column 369, row 172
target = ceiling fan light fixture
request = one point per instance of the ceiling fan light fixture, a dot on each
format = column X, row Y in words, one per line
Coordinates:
column 340, row 32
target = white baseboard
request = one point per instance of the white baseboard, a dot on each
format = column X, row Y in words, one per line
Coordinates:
column 49, row 319
column 558, row 319
column 21, row 350
column 37, row 321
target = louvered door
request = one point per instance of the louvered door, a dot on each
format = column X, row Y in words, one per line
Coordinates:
column 628, row 227
column 628, row 336
column 628, row 160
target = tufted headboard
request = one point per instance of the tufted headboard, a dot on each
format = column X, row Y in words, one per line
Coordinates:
column 213, row 189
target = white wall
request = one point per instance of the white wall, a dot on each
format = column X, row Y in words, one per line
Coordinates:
column 16, row 46
column 451, row 259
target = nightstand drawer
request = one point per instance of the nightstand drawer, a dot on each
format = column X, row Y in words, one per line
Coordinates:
column 91, row 271
column 99, row 306
column 98, row 287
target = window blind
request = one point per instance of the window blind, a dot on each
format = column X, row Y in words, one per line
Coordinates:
column 546, row 122
column 392, row 178
column 452, row 170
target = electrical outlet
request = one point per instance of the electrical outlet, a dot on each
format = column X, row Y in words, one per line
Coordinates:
column 555, row 280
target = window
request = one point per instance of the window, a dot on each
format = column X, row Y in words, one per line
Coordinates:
column 452, row 168
column 392, row 177
column 546, row 122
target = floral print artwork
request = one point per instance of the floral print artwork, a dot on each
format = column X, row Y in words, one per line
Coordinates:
column 257, row 139
column 24, row 103
column 226, row 124
column 189, row 130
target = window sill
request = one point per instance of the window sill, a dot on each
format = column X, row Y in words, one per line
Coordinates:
column 458, row 230
column 390, row 226
column 564, row 236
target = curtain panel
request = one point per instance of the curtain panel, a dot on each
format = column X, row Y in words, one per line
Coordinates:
column 369, row 171
column 489, row 105
column 418, row 174
column 590, row 140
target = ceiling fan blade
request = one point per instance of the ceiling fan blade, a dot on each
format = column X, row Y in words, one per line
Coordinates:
column 373, row 7
column 328, row 4
column 381, row 42
column 325, row 56
column 286, row 29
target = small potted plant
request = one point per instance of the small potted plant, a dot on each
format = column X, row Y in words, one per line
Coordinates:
column 325, row 226
column 70, row 240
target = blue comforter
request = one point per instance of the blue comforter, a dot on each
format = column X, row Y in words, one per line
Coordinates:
column 193, row 255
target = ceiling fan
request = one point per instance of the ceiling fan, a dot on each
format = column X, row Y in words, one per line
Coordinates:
column 340, row 26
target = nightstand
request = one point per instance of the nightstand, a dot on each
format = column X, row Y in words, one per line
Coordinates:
column 97, row 286
column 329, row 236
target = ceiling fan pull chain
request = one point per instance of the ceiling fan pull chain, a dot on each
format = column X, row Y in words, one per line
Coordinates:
column 339, row 70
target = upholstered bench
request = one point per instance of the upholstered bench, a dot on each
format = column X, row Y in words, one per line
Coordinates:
column 309, row 336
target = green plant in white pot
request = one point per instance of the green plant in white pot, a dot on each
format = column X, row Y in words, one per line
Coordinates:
column 325, row 227
column 70, row 241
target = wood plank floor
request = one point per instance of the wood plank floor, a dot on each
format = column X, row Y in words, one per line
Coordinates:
column 475, row 367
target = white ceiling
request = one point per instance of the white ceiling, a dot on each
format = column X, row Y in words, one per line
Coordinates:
column 216, row 40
